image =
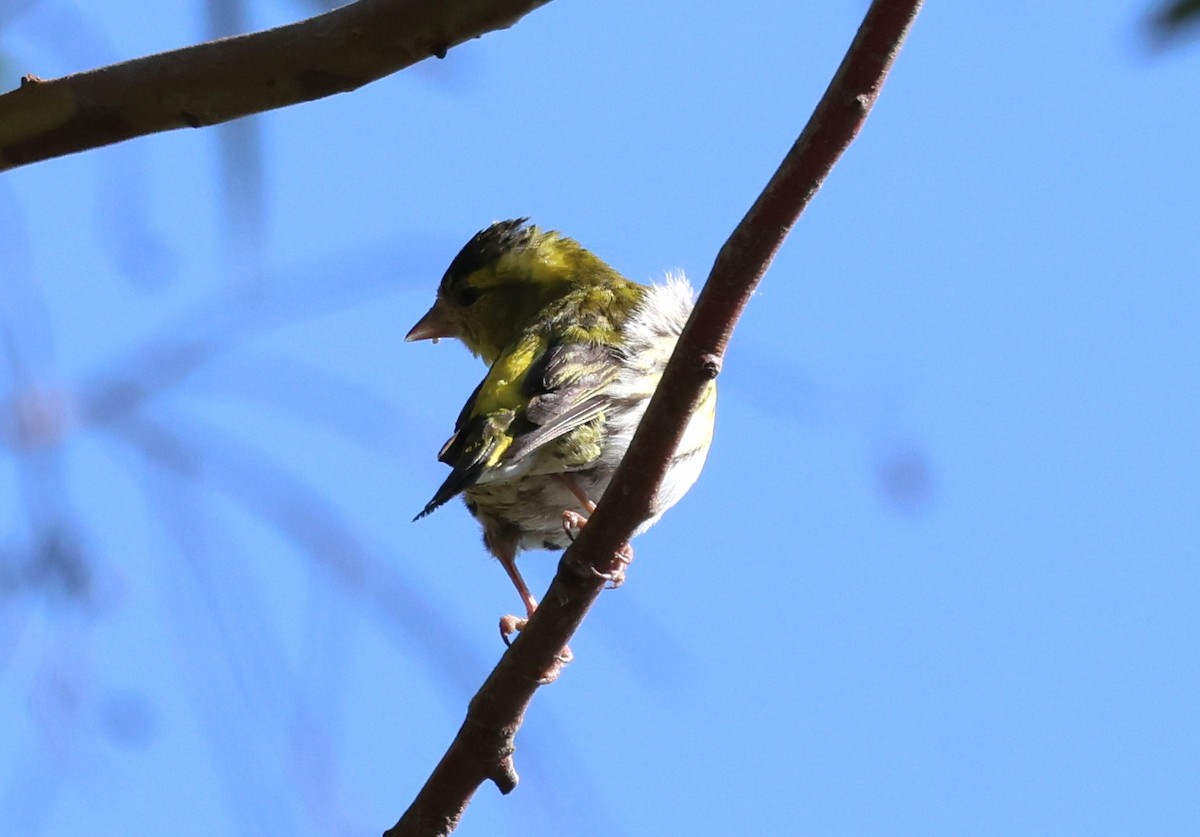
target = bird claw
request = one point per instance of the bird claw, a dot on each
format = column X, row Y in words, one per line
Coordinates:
column 511, row 625
column 617, row 577
column 572, row 521
column 560, row 660
column 613, row 579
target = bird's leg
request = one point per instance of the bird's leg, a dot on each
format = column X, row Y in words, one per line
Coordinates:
column 506, row 553
column 572, row 520
column 584, row 500
column 509, row 562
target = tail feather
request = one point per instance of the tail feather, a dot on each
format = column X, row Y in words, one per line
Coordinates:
column 455, row 484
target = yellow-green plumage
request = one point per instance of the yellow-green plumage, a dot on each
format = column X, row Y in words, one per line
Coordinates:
column 574, row 352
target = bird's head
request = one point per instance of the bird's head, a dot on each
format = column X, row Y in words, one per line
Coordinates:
column 503, row 279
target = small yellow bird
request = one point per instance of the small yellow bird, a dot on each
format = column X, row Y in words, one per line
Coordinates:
column 574, row 350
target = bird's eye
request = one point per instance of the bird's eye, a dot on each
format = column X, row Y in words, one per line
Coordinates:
column 466, row 296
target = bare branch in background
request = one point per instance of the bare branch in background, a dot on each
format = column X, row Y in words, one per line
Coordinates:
column 485, row 743
column 1172, row 19
column 221, row 80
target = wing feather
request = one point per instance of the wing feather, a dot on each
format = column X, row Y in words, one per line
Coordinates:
column 535, row 393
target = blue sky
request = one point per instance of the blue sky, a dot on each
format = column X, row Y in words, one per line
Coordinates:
column 939, row 576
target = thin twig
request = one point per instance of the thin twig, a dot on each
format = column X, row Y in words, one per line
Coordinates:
column 221, row 80
column 484, row 745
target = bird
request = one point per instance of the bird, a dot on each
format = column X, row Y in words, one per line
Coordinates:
column 574, row 352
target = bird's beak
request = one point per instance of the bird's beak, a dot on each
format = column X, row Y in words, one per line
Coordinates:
column 436, row 323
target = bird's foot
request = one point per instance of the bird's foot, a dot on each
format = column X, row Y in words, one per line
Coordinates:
column 572, row 522
column 616, row 577
column 511, row 625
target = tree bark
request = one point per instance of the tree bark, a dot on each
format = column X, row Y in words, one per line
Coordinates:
column 221, row 80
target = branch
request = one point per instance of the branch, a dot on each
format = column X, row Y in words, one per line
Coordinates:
column 484, row 745
column 221, row 80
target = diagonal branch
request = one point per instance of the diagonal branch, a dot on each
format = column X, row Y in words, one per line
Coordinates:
column 221, row 80
column 484, row 745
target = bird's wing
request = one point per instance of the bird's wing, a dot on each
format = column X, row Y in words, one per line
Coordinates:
column 536, row 392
